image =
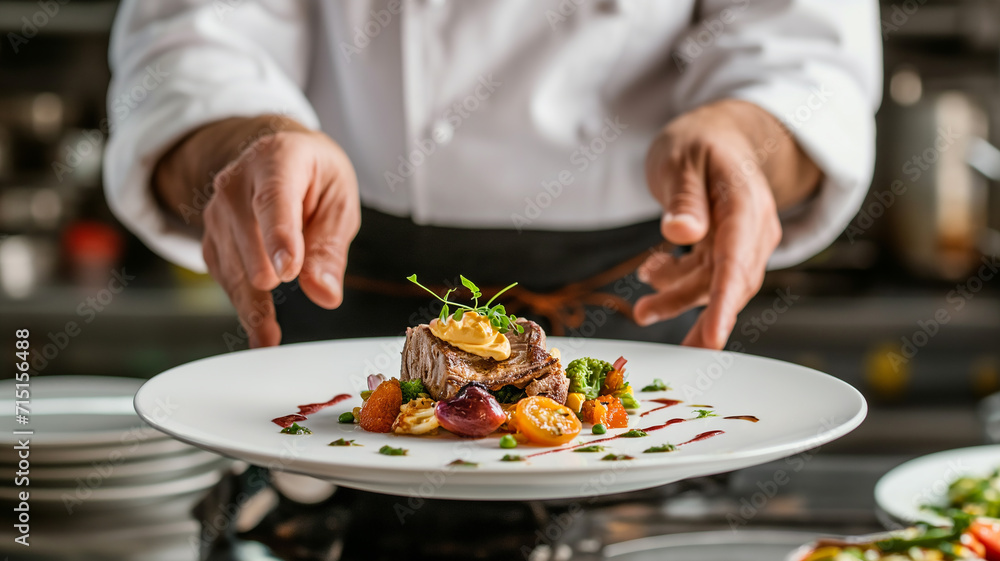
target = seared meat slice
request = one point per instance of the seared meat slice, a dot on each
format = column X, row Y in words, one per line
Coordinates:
column 445, row 369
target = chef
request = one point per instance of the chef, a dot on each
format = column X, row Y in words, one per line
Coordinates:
column 310, row 156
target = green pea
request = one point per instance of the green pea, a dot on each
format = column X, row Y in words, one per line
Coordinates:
column 346, row 417
column 508, row 441
column 599, row 429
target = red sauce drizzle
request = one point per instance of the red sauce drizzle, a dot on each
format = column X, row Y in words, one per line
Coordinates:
column 288, row 420
column 666, row 403
column 308, row 409
column 750, row 418
column 608, row 439
column 314, row 407
column 703, row 436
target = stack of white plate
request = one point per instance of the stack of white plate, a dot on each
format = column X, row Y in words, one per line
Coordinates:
column 101, row 483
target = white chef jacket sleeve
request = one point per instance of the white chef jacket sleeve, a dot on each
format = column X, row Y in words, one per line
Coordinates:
column 180, row 64
column 816, row 66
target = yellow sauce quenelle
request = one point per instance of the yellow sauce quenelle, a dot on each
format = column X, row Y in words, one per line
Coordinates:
column 473, row 334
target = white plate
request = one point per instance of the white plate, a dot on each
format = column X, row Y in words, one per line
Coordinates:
column 902, row 491
column 226, row 404
column 128, row 448
column 142, row 471
column 747, row 545
column 75, row 410
column 123, row 494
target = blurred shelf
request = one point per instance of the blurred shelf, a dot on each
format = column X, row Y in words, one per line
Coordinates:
column 72, row 18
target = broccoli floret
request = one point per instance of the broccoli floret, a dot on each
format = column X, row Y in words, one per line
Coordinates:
column 412, row 389
column 586, row 376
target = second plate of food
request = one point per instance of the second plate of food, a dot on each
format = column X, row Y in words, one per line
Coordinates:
column 964, row 478
column 719, row 412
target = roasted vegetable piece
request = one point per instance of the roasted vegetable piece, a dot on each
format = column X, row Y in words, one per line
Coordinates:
column 473, row 413
column 416, row 417
column 594, row 412
column 586, row 375
column 606, row 410
column 614, row 381
column 382, row 408
column 545, row 422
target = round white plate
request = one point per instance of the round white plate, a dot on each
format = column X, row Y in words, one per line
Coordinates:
column 123, row 494
column 75, row 411
column 902, row 491
column 226, row 403
column 747, row 545
column 140, row 472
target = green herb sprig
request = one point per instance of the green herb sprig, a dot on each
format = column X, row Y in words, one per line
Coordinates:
column 702, row 413
column 498, row 316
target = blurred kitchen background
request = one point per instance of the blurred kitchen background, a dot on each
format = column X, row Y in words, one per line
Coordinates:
column 869, row 309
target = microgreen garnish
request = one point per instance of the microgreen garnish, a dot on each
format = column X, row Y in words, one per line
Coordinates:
column 702, row 413
column 296, row 429
column 390, row 451
column 511, row 458
column 591, row 448
column 656, row 386
column 498, row 316
column 664, row 448
column 634, row 433
column 463, row 463
column 343, row 442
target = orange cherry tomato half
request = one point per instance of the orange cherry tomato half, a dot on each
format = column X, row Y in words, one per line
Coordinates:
column 545, row 422
column 987, row 531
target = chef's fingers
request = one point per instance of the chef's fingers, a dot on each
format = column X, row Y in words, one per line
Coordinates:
column 676, row 177
column 746, row 235
column 690, row 292
column 663, row 269
column 328, row 236
column 255, row 308
column 282, row 172
column 250, row 251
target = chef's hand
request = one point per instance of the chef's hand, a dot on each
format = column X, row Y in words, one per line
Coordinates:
column 721, row 172
column 284, row 205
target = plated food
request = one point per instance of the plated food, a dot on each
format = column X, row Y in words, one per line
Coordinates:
column 480, row 371
column 966, row 539
column 969, row 526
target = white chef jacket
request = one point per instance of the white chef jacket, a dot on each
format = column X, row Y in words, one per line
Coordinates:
column 495, row 113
